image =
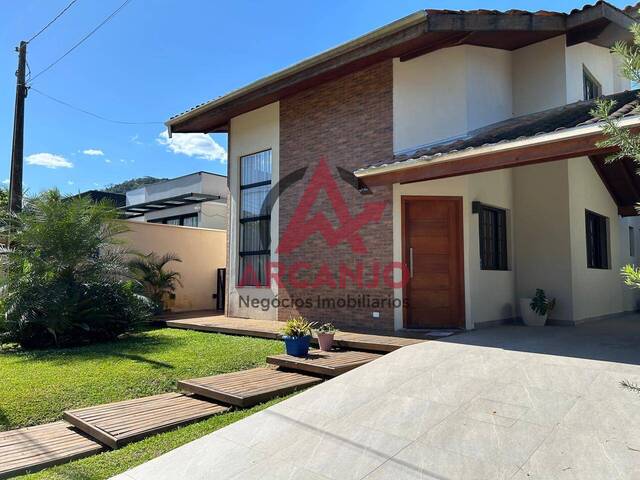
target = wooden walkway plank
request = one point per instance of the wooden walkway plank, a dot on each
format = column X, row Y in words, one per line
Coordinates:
column 118, row 423
column 271, row 329
column 249, row 387
column 34, row 448
column 330, row 364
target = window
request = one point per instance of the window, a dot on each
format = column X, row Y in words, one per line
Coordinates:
column 591, row 86
column 597, row 240
column 493, row 238
column 188, row 220
column 632, row 242
column 255, row 221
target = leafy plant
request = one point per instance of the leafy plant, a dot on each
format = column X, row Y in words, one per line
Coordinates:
column 65, row 276
column 541, row 304
column 297, row 327
column 634, row 387
column 327, row 328
column 157, row 281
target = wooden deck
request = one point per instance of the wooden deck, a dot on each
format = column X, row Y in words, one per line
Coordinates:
column 115, row 424
column 271, row 329
column 328, row 364
column 249, row 387
column 34, row 448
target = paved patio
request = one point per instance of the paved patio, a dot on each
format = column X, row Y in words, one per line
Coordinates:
column 500, row 403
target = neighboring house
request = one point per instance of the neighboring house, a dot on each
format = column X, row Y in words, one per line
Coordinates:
column 454, row 146
column 195, row 200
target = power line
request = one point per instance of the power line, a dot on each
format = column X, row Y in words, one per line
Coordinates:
column 113, row 14
column 54, row 19
column 86, row 112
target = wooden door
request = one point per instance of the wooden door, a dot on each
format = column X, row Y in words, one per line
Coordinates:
column 433, row 252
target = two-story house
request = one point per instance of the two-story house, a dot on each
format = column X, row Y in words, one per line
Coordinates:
column 431, row 173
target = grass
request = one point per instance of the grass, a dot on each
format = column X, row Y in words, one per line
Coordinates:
column 38, row 386
column 111, row 463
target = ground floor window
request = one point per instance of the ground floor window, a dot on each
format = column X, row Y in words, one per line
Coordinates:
column 188, row 220
column 255, row 219
column 597, row 240
column 493, row 238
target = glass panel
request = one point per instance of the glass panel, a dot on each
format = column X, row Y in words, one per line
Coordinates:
column 173, row 221
column 255, row 168
column 255, row 236
column 253, row 270
column 251, row 201
column 190, row 221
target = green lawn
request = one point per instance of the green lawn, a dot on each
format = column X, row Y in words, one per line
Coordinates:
column 36, row 387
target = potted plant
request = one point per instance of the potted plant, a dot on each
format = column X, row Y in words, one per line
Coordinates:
column 325, row 333
column 297, row 336
column 535, row 311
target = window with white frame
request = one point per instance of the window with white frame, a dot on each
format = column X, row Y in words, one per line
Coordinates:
column 255, row 219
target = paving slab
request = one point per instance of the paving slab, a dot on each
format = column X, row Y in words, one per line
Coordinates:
column 497, row 403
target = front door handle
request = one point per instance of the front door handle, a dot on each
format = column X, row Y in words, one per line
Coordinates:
column 411, row 262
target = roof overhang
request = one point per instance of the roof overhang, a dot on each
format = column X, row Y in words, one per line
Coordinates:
column 569, row 143
column 414, row 35
column 140, row 209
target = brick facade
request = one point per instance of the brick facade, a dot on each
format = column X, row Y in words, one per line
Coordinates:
column 349, row 123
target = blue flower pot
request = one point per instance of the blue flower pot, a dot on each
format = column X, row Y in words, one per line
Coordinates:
column 297, row 346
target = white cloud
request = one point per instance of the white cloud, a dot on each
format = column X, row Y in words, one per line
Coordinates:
column 49, row 160
column 135, row 139
column 93, row 152
column 6, row 182
column 107, row 160
column 197, row 145
column 70, row 182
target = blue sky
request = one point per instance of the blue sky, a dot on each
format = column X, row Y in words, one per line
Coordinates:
column 155, row 59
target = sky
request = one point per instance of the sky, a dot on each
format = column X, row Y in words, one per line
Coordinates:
column 155, row 59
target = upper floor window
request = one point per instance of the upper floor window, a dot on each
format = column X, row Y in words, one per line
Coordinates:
column 255, row 222
column 591, row 87
column 632, row 242
column 493, row 238
column 597, row 229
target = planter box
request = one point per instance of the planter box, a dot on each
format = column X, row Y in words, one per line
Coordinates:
column 529, row 317
column 297, row 346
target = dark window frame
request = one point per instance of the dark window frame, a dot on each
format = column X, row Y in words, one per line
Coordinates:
column 632, row 241
column 597, row 240
column 591, row 87
column 244, row 221
column 164, row 220
column 493, row 230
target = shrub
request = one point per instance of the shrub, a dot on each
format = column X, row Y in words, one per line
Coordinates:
column 66, row 276
column 297, row 327
column 158, row 282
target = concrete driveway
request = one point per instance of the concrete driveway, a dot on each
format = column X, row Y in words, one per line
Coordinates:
column 499, row 403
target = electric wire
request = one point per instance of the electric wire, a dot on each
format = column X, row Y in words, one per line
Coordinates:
column 52, row 21
column 82, row 40
column 87, row 112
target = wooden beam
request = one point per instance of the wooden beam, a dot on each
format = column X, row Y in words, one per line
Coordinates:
column 466, row 22
column 483, row 162
column 598, row 162
column 628, row 211
column 448, row 41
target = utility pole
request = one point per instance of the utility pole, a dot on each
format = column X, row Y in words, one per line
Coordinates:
column 17, row 151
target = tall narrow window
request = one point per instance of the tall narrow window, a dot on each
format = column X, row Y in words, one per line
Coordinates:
column 591, row 86
column 597, row 240
column 255, row 221
column 493, row 238
column 632, row 242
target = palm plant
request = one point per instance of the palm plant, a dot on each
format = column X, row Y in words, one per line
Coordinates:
column 65, row 273
column 158, row 282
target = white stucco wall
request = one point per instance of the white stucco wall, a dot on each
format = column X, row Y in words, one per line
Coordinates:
column 489, row 295
column 596, row 292
column 598, row 61
column 429, row 98
column 250, row 133
column 542, row 238
column 539, row 80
